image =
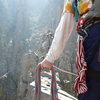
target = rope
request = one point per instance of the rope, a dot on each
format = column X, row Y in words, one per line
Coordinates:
column 54, row 89
column 67, row 72
column 5, row 75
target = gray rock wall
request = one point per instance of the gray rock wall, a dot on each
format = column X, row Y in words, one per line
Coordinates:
column 26, row 34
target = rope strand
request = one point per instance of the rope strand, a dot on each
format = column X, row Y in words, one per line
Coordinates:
column 65, row 71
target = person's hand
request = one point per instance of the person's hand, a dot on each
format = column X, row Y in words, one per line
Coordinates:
column 46, row 65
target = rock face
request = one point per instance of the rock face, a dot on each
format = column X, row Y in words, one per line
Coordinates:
column 29, row 62
column 26, row 34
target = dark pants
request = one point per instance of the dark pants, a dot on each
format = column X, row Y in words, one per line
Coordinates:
column 93, row 92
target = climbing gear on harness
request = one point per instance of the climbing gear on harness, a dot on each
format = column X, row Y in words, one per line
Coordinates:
column 81, row 66
column 82, row 32
column 82, row 28
column 54, row 89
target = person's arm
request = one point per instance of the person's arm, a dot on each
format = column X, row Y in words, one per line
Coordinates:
column 61, row 35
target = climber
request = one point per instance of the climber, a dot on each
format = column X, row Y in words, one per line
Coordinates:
column 86, row 14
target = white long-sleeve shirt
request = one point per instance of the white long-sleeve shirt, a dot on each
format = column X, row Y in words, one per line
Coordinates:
column 61, row 35
column 65, row 28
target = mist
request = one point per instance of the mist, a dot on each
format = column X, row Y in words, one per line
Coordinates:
column 27, row 28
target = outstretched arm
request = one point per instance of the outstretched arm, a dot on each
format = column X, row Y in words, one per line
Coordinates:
column 62, row 34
